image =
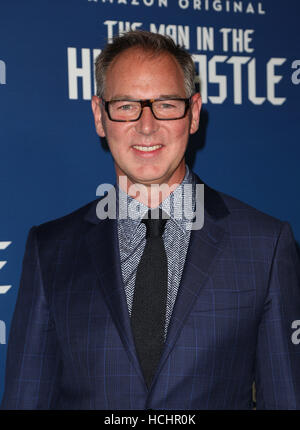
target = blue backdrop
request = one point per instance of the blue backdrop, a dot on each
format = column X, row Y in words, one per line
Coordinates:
column 51, row 160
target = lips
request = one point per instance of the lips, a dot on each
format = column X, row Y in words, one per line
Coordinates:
column 147, row 148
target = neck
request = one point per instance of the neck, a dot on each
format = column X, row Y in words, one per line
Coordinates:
column 150, row 194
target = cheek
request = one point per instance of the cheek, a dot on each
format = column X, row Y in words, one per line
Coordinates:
column 116, row 134
column 180, row 133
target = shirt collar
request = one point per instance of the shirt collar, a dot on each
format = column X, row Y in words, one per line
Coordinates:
column 172, row 205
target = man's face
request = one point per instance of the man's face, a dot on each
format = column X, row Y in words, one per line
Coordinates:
column 137, row 75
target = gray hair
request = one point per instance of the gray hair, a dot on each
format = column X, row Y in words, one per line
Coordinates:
column 149, row 42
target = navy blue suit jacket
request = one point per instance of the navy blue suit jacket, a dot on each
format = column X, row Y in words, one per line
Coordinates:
column 71, row 346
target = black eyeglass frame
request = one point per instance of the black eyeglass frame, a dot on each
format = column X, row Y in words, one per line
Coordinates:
column 146, row 103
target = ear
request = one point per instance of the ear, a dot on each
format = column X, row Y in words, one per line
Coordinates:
column 196, row 104
column 98, row 116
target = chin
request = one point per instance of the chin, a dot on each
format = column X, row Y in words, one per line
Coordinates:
column 151, row 179
column 152, row 176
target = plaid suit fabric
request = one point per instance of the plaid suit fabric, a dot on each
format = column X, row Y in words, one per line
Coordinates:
column 70, row 343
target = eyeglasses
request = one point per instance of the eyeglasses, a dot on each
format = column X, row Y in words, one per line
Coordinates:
column 131, row 110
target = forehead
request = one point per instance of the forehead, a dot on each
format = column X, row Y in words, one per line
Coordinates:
column 138, row 72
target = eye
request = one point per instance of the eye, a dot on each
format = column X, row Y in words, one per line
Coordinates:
column 126, row 107
column 166, row 106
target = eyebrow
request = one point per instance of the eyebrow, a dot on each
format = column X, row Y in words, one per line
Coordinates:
column 162, row 96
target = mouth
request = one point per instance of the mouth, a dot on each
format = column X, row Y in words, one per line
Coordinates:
column 147, row 149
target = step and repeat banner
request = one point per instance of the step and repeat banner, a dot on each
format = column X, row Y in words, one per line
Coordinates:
column 51, row 160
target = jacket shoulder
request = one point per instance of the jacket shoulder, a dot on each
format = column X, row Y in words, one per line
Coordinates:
column 66, row 226
column 237, row 216
column 243, row 215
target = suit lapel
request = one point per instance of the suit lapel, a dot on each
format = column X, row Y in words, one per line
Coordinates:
column 102, row 243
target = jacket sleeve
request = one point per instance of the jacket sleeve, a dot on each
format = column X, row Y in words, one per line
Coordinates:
column 33, row 358
column 277, row 371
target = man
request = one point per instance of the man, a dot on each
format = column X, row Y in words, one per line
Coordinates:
column 143, row 311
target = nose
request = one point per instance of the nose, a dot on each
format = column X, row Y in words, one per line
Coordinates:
column 147, row 124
